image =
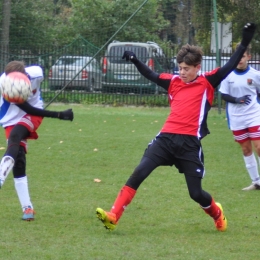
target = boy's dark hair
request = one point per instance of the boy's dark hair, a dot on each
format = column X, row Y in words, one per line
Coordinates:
column 248, row 48
column 190, row 54
column 15, row 66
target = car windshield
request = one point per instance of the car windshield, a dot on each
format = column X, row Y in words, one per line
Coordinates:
column 116, row 53
column 71, row 61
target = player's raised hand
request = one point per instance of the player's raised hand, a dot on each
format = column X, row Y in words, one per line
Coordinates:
column 244, row 100
column 66, row 115
column 248, row 33
column 129, row 55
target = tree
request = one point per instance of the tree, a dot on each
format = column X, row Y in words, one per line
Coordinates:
column 4, row 43
column 98, row 20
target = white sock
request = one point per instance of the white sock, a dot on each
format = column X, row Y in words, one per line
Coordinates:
column 6, row 165
column 21, row 187
column 252, row 167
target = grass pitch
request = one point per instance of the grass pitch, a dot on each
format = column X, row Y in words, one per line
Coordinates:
column 162, row 222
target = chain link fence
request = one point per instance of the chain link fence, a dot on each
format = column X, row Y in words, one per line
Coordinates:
column 79, row 44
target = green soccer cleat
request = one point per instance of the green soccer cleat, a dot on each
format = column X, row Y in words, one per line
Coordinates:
column 108, row 218
column 221, row 222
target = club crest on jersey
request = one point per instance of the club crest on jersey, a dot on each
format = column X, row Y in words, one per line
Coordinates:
column 249, row 81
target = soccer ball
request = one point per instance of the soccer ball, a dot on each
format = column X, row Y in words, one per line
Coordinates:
column 16, row 87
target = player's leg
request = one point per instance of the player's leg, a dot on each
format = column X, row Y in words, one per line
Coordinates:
column 251, row 165
column 254, row 134
column 153, row 156
column 21, row 185
column 191, row 163
column 257, row 149
column 206, row 202
column 126, row 194
column 243, row 137
column 14, row 135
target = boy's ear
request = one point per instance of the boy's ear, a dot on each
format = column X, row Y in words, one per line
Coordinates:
column 198, row 67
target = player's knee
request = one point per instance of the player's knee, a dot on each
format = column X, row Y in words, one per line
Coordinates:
column 141, row 172
column 18, row 133
column 14, row 138
column 195, row 195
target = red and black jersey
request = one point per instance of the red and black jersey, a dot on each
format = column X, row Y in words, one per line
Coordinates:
column 190, row 102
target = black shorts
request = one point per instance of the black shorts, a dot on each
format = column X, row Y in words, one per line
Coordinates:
column 183, row 151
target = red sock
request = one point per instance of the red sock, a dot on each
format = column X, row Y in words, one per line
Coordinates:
column 124, row 197
column 213, row 210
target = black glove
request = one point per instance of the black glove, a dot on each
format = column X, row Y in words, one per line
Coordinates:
column 129, row 55
column 243, row 100
column 66, row 115
column 248, row 33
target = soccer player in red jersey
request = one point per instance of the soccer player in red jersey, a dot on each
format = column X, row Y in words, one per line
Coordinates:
column 178, row 143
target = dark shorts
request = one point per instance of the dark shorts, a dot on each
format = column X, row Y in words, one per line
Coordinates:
column 183, row 151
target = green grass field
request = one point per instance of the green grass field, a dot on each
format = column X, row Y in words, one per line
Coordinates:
column 162, row 222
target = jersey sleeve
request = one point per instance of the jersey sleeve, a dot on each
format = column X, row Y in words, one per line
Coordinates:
column 164, row 80
column 158, row 79
column 222, row 72
column 29, row 109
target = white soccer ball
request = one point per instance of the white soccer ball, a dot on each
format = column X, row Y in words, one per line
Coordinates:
column 16, row 87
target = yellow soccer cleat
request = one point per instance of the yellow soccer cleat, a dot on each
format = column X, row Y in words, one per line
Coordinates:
column 221, row 222
column 108, row 218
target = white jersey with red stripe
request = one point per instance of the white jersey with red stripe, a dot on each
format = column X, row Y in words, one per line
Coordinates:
column 190, row 103
column 238, row 84
column 10, row 114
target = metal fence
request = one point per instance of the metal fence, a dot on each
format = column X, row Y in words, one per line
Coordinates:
column 85, row 69
column 71, row 74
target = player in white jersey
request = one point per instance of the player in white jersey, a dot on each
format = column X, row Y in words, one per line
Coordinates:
column 240, row 90
column 20, row 123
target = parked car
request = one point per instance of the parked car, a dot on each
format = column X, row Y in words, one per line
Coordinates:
column 122, row 76
column 67, row 67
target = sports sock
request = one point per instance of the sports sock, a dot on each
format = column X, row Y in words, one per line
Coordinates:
column 6, row 165
column 252, row 168
column 213, row 210
column 124, row 197
column 21, row 187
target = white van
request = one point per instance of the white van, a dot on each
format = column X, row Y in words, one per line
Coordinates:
column 122, row 76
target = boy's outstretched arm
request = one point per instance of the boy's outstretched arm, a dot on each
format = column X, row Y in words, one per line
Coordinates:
column 63, row 115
